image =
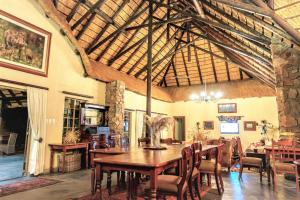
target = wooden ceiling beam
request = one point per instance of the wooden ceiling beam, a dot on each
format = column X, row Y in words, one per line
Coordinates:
column 163, row 22
column 73, row 10
column 137, row 13
column 13, row 97
column 244, row 53
column 98, row 36
column 198, row 64
column 227, row 71
column 217, row 25
column 98, row 4
column 185, row 67
column 86, row 25
column 212, row 63
column 145, row 53
column 165, row 74
column 102, row 13
column 175, row 73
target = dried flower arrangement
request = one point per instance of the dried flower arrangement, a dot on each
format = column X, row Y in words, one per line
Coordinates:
column 71, row 137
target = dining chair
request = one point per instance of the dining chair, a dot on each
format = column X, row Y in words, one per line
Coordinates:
column 214, row 167
column 195, row 177
column 282, row 157
column 143, row 141
column 177, row 185
column 248, row 161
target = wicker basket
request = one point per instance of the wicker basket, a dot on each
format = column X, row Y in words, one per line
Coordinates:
column 72, row 163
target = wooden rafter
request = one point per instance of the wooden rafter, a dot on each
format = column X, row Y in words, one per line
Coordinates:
column 212, row 63
column 185, row 67
column 73, row 10
column 198, row 64
column 86, row 25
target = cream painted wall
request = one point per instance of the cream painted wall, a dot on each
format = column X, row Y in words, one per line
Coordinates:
column 65, row 70
column 252, row 109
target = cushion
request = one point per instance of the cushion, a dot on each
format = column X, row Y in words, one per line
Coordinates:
column 209, row 165
column 251, row 161
column 284, row 167
column 169, row 183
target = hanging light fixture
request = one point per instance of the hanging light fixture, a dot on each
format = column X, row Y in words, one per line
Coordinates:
column 204, row 96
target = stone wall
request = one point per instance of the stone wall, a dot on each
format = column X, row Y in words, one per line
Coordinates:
column 286, row 61
column 114, row 98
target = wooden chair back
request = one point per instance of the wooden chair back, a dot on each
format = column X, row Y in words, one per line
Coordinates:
column 174, row 141
column 284, row 150
column 219, row 155
column 12, row 139
column 197, row 154
column 166, row 141
column 187, row 165
column 239, row 147
column 144, row 140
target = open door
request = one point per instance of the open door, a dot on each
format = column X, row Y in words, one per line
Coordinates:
column 179, row 128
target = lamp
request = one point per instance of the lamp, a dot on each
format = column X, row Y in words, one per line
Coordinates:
column 205, row 97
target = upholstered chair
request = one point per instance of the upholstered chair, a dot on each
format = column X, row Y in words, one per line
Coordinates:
column 177, row 185
column 214, row 167
column 195, row 177
column 10, row 146
column 248, row 161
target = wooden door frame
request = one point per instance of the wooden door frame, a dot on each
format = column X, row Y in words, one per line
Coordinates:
column 183, row 118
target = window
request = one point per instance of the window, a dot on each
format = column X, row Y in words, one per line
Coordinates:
column 72, row 114
column 229, row 127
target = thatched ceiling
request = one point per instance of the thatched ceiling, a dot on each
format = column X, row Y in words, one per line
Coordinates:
column 218, row 42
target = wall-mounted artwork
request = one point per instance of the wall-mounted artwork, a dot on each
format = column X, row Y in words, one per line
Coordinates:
column 23, row 46
column 249, row 125
column 227, row 108
column 208, row 125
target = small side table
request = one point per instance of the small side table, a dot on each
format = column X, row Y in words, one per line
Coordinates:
column 64, row 148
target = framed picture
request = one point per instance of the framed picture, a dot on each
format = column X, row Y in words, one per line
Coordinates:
column 249, row 125
column 23, row 46
column 227, row 108
column 208, row 125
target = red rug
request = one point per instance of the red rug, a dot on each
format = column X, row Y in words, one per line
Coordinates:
column 25, row 185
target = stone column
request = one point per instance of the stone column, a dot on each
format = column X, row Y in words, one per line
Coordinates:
column 286, row 61
column 115, row 100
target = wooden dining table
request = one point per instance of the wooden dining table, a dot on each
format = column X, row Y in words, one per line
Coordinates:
column 139, row 160
column 268, row 150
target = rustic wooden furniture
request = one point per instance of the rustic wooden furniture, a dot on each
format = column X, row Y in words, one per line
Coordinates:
column 248, row 161
column 261, row 155
column 141, row 161
column 166, row 141
column 269, row 150
column 143, row 141
column 281, row 159
column 195, row 177
column 177, row 185
column 214, row 167
column 297, row 163
column 63, row 148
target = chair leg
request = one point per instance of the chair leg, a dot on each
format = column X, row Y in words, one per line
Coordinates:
column 260, row 172
column 218, row 183
column 191, row 188
column 241, row 171
column 209, row 180
column 109, row 182
column 118, row 178
column 198, row 187
column 221, row 181
column 228, row 169
column 297, row 180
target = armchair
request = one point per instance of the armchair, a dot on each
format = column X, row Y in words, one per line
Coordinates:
column 9, row 147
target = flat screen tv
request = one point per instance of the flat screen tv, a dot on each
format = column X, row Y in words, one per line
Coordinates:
column 229, row 128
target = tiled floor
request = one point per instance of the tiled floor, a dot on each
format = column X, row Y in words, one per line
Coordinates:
column 11, row 166
column 77, row 184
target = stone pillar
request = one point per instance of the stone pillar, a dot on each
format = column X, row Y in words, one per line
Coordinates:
column 115, row 100
column 286, row 61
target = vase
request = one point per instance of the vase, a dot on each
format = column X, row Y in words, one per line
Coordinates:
column 155, row 139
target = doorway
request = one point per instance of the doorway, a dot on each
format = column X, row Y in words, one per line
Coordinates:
column 13, row 129
column 179, row 128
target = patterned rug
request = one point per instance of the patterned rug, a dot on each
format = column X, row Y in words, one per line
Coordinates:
column 25, row 185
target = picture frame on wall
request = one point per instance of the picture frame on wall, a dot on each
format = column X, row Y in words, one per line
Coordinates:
column 208, row 125
column 23, row 46
column 227, row 108
column 250, row 125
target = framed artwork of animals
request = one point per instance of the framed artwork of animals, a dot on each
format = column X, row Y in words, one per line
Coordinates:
column 23, row 46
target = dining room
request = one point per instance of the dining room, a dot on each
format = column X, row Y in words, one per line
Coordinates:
column 150, row 99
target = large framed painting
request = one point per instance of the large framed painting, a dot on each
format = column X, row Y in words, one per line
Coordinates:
column 23, row 46
column 227, row 108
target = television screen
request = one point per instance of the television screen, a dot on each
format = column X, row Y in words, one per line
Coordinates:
column 229, row 127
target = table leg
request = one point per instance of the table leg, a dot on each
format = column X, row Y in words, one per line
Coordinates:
column 93, row 180
column 51, row 160
column 87, row 157
column 153, row 184
column 268, row 165
column 98, row 169
column 109, row 182
column 64, row 160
